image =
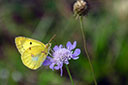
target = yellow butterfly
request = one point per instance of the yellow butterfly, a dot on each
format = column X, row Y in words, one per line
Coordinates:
column 33, row 52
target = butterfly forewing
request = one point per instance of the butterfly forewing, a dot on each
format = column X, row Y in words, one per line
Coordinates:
column 23, row 43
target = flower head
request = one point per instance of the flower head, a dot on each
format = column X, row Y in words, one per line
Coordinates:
column 81, row 7
column 61, row 55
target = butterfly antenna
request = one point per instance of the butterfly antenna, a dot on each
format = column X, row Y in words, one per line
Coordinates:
column 52, row 38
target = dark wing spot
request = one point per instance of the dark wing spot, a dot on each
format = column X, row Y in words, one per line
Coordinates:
column 30, row 43
column 30, row 48
column 43, row 52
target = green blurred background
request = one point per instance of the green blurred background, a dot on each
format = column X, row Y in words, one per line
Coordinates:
column 106, row 28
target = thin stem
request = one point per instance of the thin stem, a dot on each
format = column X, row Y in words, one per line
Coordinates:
column 85, row 48
column 69, row 74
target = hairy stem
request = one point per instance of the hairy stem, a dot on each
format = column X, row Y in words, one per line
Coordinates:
column 85, row 48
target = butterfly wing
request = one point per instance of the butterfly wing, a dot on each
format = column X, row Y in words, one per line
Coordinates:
column 34, row 57
column 23, row 43
column 33, row 52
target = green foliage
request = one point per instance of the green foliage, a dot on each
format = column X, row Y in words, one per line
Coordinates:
column 105, row 30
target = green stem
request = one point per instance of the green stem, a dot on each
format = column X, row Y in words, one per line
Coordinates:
column 69, row 74
column 85, row 48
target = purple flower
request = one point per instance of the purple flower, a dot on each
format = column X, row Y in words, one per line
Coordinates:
column 61, row 55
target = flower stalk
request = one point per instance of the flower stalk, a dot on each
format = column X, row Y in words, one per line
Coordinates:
column 69, row 74
column 85, row 48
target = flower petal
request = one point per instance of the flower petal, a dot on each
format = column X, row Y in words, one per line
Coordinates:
column 74, row 44
column 60, row 46
column 68, row 45
column 57, row 67
column 75, row 57
column 48, row 57
column 71, row 46
column 55, row 48
column 61, row 65
column 66, row 62
column 47, row 61
column 52, row 66
column 76, row 52
column 61, row 71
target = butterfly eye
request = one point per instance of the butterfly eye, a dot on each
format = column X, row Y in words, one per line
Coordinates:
column 30, row 43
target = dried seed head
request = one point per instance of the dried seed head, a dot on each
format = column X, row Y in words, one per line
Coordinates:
column 80, row 7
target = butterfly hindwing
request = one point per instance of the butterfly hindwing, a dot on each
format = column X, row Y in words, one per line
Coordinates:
column 34, row 57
